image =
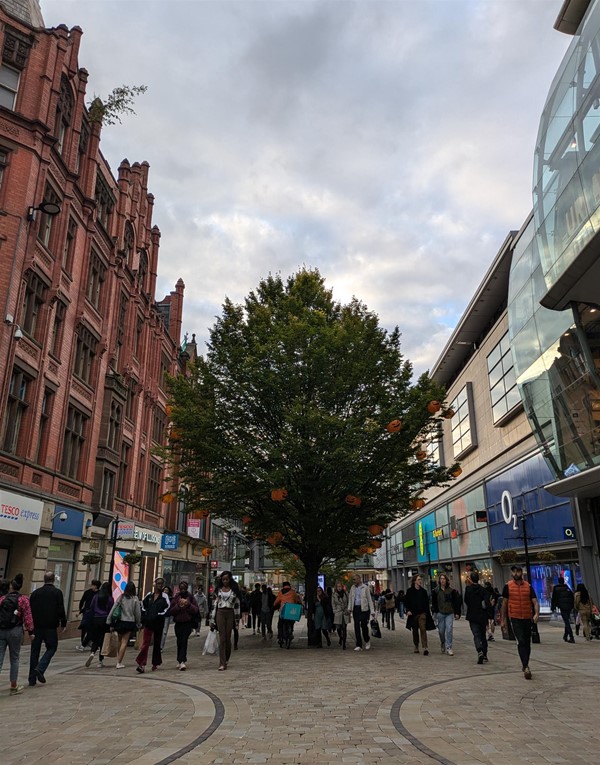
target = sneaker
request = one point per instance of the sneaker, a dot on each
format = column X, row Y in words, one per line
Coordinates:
column 79, row 647
column 450, row 652
column 90, row 659
column 571, row 640
column 443, row 648
column 416, row 650
column 154, row 667
column 480, row 658
column 40, row 676
column 183, row 667
column 222, row 668
column 426, row 652
column 367, row 646
column 527, row 673
column 100, row 665
column 15, row 690
column 491, row 638
column 119, row 666
column 178, row 665
column 140, row 669
column 358, row 648
column 485, row 659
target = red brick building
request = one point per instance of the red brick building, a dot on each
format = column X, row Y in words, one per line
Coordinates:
column 84, row 345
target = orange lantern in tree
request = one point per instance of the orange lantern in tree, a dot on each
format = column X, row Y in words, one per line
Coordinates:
column 377, row 544
column 433, row 407
column 174, row 435
column 363, row 549
column 457, row 472
column 395, row 426
column 168, row 497
column 206, row 551
column 353, row 501
column 168, row 410
column 448, row 414
column 203, row 513
column 246, row 519
column 371, row 549
column 418, row 503
column 275, row 538
column 376, row 529
column 421, row 454
column 279, row 495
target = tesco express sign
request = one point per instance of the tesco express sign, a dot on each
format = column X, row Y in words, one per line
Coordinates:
column 20, row 514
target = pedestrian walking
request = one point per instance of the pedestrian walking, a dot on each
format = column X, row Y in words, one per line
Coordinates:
column 84, row 612
column 15, row 617
column 419, row 616
column 389, row 601
column 255, row 606
column 154, row 609
column 48, row 611
column 184, row 611
column 322, row 618
column 400, row 603
column 445, row 604
column 124, row 618
column 583, row 605
column 202, row 604
column 361, row 603
column 245, row 617
column 267, row 601
column 226, row 615
column 100, row 607
column 477, row 601
column 341, row 616
column 520, row 605
column 168, row 619
column 285, row 627
column 563, row 600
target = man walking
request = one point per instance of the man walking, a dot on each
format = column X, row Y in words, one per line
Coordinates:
column 564, row 600
column 416, row 602
column 48, row 611
column 255, row 607
column 361, row 602
column 478, row 604
column 520, row 605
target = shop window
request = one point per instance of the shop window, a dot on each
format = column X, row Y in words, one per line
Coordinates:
column 503, row 380
column 96, row 278
column 69, row 248
column 85, row 355
column 19, row 395
column 61, row 558
column 74, row 442
column 58, row 327
column 434, row 447
column 464, row 436
column 154, row 481
column 44, row 427
column 33, row 299
column 9, row 86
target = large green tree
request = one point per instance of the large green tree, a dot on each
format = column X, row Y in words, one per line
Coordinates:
column 295, row 393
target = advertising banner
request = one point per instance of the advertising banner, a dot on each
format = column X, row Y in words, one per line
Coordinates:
column 20, row 514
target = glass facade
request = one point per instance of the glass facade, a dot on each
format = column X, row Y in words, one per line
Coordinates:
column 556, row 353
column 503, row 381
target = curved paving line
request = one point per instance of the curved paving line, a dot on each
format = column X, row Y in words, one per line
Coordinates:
column 218, row 718
column 403, row 730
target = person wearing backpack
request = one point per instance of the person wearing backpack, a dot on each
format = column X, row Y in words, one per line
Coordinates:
column 478, row 606
column 15, row 616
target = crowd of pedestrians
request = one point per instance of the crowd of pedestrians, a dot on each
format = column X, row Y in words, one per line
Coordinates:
column 109, row 626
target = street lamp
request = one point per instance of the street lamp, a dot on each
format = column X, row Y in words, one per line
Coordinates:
column 115, row 534
column 47, row 208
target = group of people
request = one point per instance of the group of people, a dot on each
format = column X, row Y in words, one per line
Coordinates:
column 566, row 601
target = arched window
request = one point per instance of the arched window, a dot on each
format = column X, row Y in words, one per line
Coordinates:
column 64, row 113
column 142, row 270
column 128, row 243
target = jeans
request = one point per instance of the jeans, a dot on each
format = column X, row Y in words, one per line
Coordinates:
column 183, row 630
column 13, row 639
column 566, row 617
column 361, row 624
column 445, row 625
column 401, row 610
column 479, row 636
column 49, row 637
column 151, row 635
column 522, row 630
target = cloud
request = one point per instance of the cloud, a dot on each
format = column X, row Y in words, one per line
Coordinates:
column 389, row 144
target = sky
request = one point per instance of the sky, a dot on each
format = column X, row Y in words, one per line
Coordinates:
column 388, row 143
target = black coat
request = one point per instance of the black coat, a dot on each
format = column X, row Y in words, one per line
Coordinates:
column 48, row 607
column 154, row 611
column 416, row 601
column 477, row 603
column 562, row 598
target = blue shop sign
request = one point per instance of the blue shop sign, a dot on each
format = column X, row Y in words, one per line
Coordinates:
column 70, row 527
column 426, row 540
column 520, row 490
column 169, row 542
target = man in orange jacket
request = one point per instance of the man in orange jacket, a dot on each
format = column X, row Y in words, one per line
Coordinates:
column 520, row 604
column 285, row 627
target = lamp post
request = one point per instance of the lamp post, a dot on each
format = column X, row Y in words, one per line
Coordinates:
column 535, row 634
column 115, row 534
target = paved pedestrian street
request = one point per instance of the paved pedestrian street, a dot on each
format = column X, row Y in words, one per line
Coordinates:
column 323, row 706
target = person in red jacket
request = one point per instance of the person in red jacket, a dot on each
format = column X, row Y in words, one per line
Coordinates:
column 285, row 627
column 520, row 605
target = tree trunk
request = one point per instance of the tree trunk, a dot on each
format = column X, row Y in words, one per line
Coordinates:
column 310, row 586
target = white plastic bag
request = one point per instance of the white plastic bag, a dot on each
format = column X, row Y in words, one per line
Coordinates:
column 211, row 643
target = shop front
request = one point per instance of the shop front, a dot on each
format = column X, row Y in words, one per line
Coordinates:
column 20, row 523
column 65, row 538
column 137, row 557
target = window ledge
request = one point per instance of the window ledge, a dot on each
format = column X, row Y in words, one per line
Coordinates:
column 511, row 414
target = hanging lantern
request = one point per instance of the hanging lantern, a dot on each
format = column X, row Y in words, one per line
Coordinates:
column 421, row 454
column 363, row 549
column 417, row 503
column 278, row 495
column 456, row 472
column 174, row 435
column 168, row 497
column 168, row 410
column 275, row 538
column 202, row 513
column 353, row 501
column 395, row 426
column 375, row 529
column 448, row 414
column 377, row 544
column 206, row 551
column 371, row 549
column 433, row 407
column 246, row 519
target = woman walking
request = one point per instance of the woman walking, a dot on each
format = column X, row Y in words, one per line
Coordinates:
column 583, row 606
column 184, row 611
column 446, row 603
column 323, row 617
column 125, row 617
column 100, row 608
column 154, row 607
column 339, row 607
column 226, row 615
column 15, row 616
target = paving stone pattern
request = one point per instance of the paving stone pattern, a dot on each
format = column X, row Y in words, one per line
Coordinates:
column 306, row 706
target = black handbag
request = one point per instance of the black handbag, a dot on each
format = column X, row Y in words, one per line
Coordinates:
column 375, row 628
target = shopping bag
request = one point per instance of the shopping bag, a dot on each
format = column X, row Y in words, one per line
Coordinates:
column 210, row 644
column 110, row 645
column 139, row 640
column 375, row 628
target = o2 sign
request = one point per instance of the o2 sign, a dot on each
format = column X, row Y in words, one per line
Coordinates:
column 508, row 511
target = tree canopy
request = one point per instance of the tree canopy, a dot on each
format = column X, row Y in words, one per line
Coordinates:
column 284, row 424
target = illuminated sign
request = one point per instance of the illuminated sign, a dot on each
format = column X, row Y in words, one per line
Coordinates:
column 409, row 543
column 438, row 533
